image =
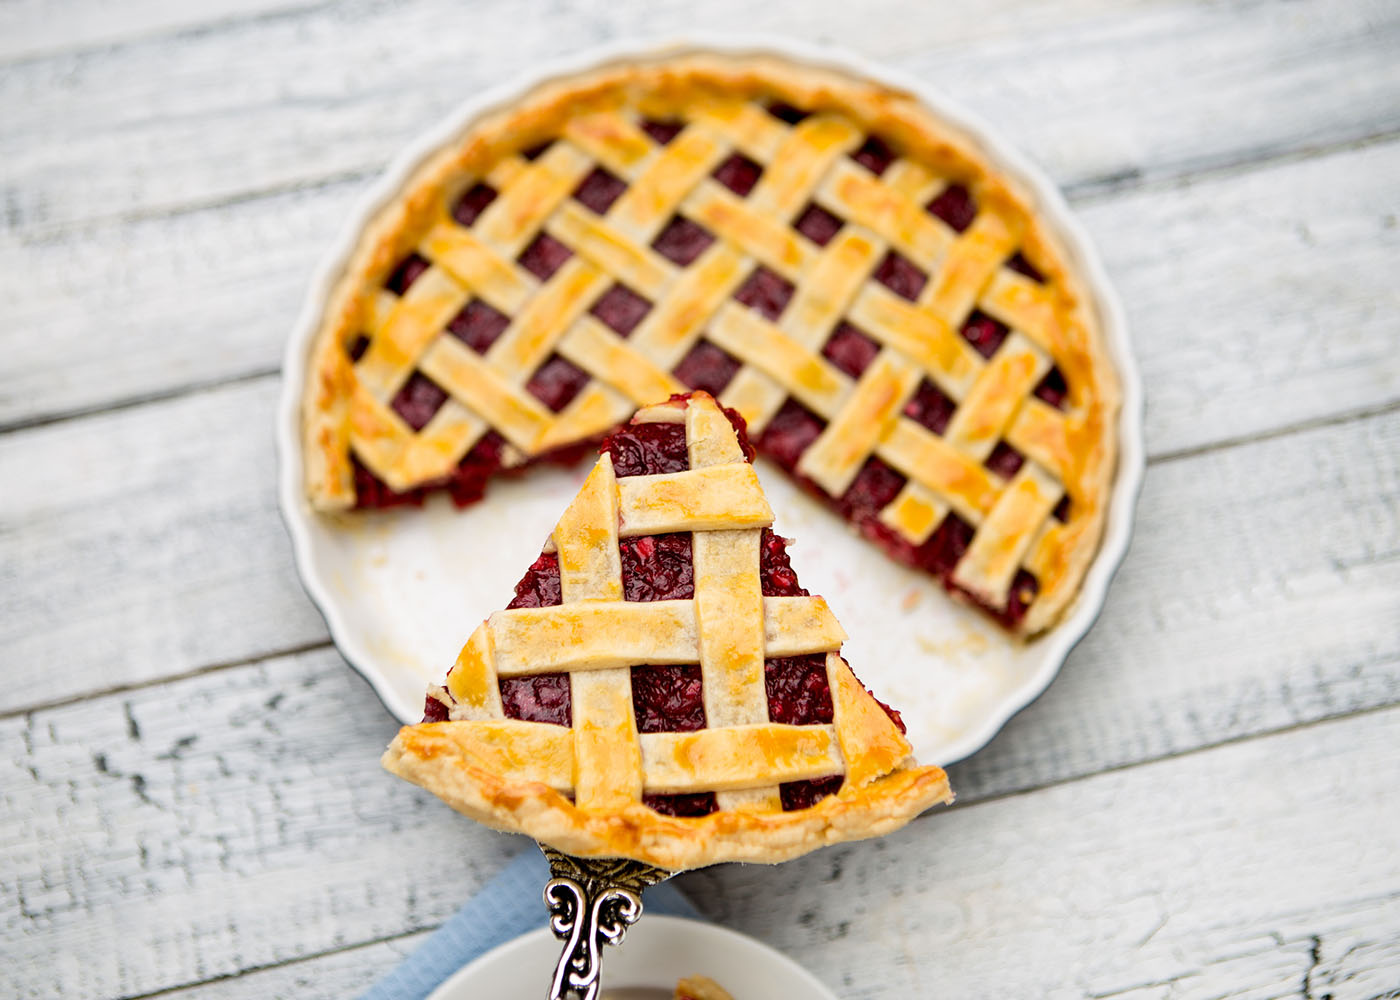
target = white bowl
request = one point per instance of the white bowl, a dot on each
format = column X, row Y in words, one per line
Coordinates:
column 656, row 952
column 402, row 590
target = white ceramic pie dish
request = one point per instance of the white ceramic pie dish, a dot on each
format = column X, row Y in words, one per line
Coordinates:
column 656, row 952
column 401, row 590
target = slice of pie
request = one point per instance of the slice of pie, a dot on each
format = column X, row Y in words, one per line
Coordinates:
column 901, row 329
column 661, row 688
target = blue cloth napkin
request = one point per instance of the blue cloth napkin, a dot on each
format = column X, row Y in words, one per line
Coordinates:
column 509, row 905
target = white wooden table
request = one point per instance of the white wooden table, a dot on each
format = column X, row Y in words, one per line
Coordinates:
column 1205, row 804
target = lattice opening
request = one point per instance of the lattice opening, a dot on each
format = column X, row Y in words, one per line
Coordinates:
column 707, row 367
column 765, row 292
column 599, row 190
column 1005, row 460
column 984, row 333
column 739, row 174
column 850, row 349
column 478, row 325
column 955, row 206
column 544, row 256
column 473, row 201
column 557, row 382
column 621, row 309
column 682, row 241
column 417, row 400
column 662, row 131
column 818, row 225
column 874, row 155
column 930, row 407
column 405, row 273
column 901, row 275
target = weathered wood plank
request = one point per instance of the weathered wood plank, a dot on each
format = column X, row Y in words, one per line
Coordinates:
column 1264, row 870
column 250, row 810
column 1225, row 314
column 272, row 103
column 239, row 820
column 144, row 543
column 32, row 29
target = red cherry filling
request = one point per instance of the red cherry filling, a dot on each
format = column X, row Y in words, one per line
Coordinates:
column 472, row 203
column 599, row 190
column 707, row 367
column 657, row 568
column 791, row 432
column 786, row 112
column 698, row 804
column 668, row 699
column 621, row 309
column 984, row 333
column 804, row 794
column 466, row 484
column 766, row 292
column 798, row 691
column 418, row 400
column 1005, row 460
column 682, row 241
column 931, row 407
column 850, row 349
column 776, row 571
column 954, row 205
column 662, row 132
column 901, row 275
column 1053, row 389
column 557, row 382
column 874, row 155
column 478, row 325
column 739, row 174
column 1019, row 264
column 544, row 697
column 410, row 269
column 648, row 449
column 541, row 698
column 818, row 225
column 544, row 256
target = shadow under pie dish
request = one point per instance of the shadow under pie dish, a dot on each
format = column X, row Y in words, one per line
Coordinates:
column 662, row 688
column 897, row 325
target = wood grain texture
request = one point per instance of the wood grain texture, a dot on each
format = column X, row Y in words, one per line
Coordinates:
column 237, row 820
column 255, row 793
column 163, row 224
column 1202, row 806
column 240, row 824
column 1263, row 870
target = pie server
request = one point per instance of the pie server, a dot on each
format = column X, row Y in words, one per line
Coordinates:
column 592, row 902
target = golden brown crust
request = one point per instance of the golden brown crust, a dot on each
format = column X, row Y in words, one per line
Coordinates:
column 437, row 756
column 584, row 788
column 1080, row 447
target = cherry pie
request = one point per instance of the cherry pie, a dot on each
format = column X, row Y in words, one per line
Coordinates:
column 900, row 330
column 661, row 688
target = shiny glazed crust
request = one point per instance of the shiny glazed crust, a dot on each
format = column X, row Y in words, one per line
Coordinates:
column 1055, row 321
column 581, row 788
column 432, row 755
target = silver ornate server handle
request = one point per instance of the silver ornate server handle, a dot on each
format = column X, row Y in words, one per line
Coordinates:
column 592, row 902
